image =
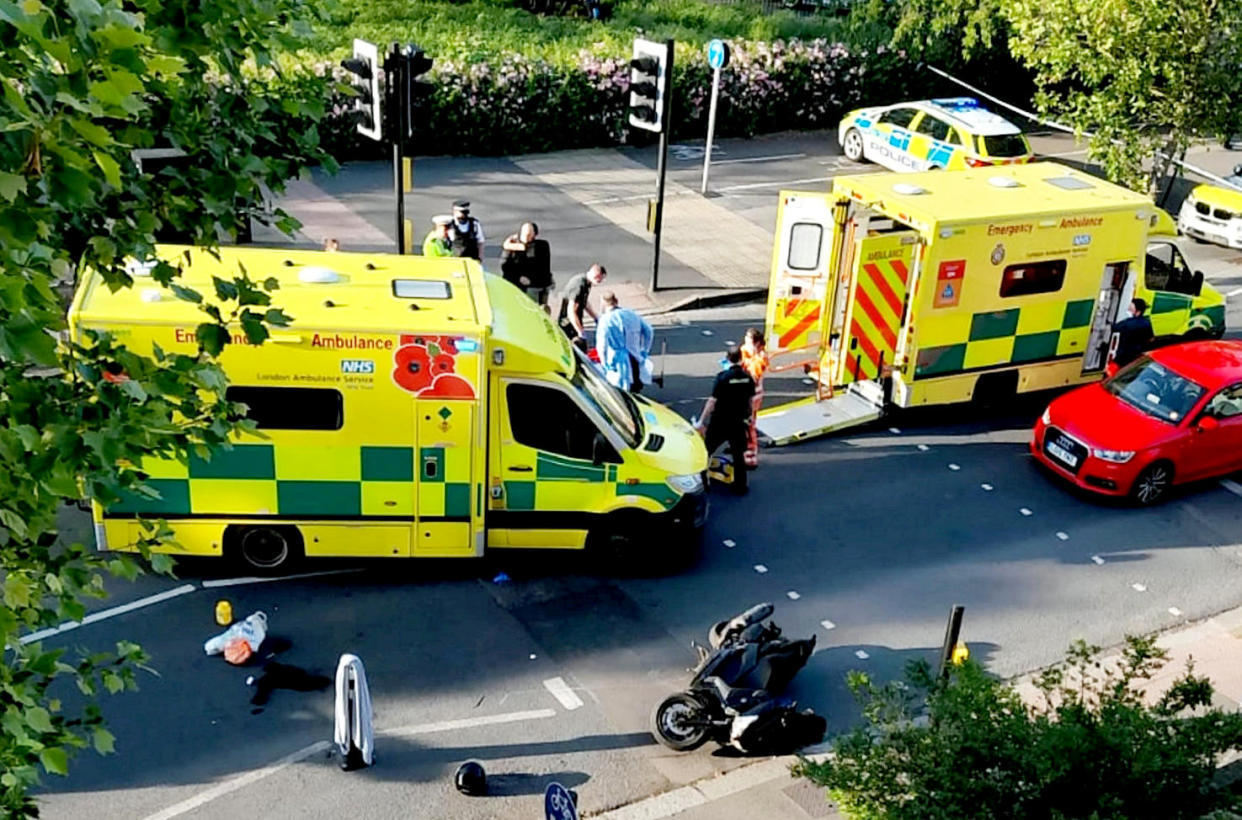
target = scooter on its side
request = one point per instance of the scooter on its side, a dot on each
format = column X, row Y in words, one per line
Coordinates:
column 732, row 698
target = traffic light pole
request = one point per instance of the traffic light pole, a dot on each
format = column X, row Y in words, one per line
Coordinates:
column 662, row 166
column 394, row 71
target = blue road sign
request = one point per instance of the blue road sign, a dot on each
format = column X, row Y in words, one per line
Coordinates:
column 557, row 804
column 717, row 54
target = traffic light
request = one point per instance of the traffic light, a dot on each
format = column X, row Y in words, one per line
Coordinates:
column 649, row 80
column 414, row 90
column 364, row 65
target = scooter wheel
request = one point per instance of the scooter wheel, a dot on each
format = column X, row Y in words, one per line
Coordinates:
column 716, row 635
column 680, row 722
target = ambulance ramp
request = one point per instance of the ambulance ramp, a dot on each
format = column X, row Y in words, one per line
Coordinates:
column 811, row 417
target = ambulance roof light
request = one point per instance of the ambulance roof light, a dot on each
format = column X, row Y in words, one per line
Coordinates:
column 906, row 189
column 957, row 102
column 318, row 276
column 1004, row 182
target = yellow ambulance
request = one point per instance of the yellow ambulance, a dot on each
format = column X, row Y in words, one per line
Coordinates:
column 916, row 289
column 413, row 407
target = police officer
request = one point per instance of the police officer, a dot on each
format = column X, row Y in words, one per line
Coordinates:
column 437, row 243
column 465, row 232
column 726, row 415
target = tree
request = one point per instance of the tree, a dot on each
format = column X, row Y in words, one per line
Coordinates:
column 1143, row 77
column 84, row 83
column 1094, row 748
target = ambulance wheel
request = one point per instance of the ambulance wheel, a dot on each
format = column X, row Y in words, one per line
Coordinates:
column 852, row 145
column 266, row 550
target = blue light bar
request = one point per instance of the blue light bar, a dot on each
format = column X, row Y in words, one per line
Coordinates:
column 957, row 102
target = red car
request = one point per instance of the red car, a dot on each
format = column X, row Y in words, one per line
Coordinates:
column 1172, row 415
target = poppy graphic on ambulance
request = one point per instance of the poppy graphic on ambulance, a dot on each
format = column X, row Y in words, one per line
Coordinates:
column 426, row 366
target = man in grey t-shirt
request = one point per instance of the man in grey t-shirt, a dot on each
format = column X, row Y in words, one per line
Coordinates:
column 575, row 301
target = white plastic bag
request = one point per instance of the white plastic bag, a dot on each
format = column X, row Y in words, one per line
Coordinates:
column 253, row 630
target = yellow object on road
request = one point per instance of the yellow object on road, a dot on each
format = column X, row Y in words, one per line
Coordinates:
column 224, row 613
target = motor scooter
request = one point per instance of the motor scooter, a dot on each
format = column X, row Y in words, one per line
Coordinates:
column 732, row 694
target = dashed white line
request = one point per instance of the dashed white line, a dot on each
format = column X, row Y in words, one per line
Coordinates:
column 1232, row 486
column 1175, row 612
column 1137, row 587
column 1097, row 559
column 954, row 467
column 1233, row 293
column 923, row 448
column 730, row 543
column 895, row 431
column 1064, row 536
column 561, row 691
column 1025, row 511
column 827, row 624
column 104, row 614
column 987, row 487
column 237, row 582
column 861, row 655
column 467, row 723
column 760, row 568
column 792, row 595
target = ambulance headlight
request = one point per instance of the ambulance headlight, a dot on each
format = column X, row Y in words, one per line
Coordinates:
column 686, row 484
column 1115, row 456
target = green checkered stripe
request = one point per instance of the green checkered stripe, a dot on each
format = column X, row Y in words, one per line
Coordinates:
column 302, row 498
column 549, row 468
column 988, row 326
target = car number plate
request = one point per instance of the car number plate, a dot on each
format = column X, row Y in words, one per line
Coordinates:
column 1063, row 454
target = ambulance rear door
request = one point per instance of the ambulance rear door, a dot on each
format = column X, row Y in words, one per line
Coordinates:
column 876, row 304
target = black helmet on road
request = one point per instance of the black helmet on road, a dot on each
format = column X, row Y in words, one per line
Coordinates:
column 471, row 779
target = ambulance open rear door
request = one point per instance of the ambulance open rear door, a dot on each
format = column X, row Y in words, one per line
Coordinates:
column 808, row 301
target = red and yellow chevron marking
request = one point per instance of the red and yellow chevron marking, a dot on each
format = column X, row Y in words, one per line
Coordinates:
column 795, row 319
column 875, row 318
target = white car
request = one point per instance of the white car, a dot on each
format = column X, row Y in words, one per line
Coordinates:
column 1213, row 213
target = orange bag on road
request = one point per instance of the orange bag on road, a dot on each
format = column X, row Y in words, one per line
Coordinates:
column 238, row 652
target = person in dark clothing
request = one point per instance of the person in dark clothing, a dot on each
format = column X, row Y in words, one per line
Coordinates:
column 465, row 232
column 526, row 261
column 1133, row 334
column 575, row 301
column 726, row 415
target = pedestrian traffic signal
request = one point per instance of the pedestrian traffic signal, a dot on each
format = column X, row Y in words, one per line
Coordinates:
column 650, row 75
column 364, row 65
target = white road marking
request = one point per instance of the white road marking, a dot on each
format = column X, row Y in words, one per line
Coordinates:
column 1064, row 536
column 760, row 568
column 1064, row 154
column 923, row 448
column 1137, row 587
column 533, row 656
column 894, row 431
column 561, row 691
column 987, row 487
column 708, row 333
column 954, row 467
column 772, row 158
column 237, row 582
column 752, row 185
column 104, row 614
column 728, row 542
column 1097, row 559
column 467, row 723
column 827, row 624
column 1233, row 293
column 1025, row 511
column 808, row 381
column 240, row 782
column 1232, row 486
column 792, row 595
column 1175, row 612
column 861, row 655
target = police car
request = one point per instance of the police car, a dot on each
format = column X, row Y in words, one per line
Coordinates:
column 932, row 134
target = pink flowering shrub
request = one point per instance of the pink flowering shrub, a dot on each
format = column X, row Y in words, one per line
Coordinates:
column 522, row 104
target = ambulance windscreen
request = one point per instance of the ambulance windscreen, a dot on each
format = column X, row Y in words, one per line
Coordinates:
column 421, row 289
